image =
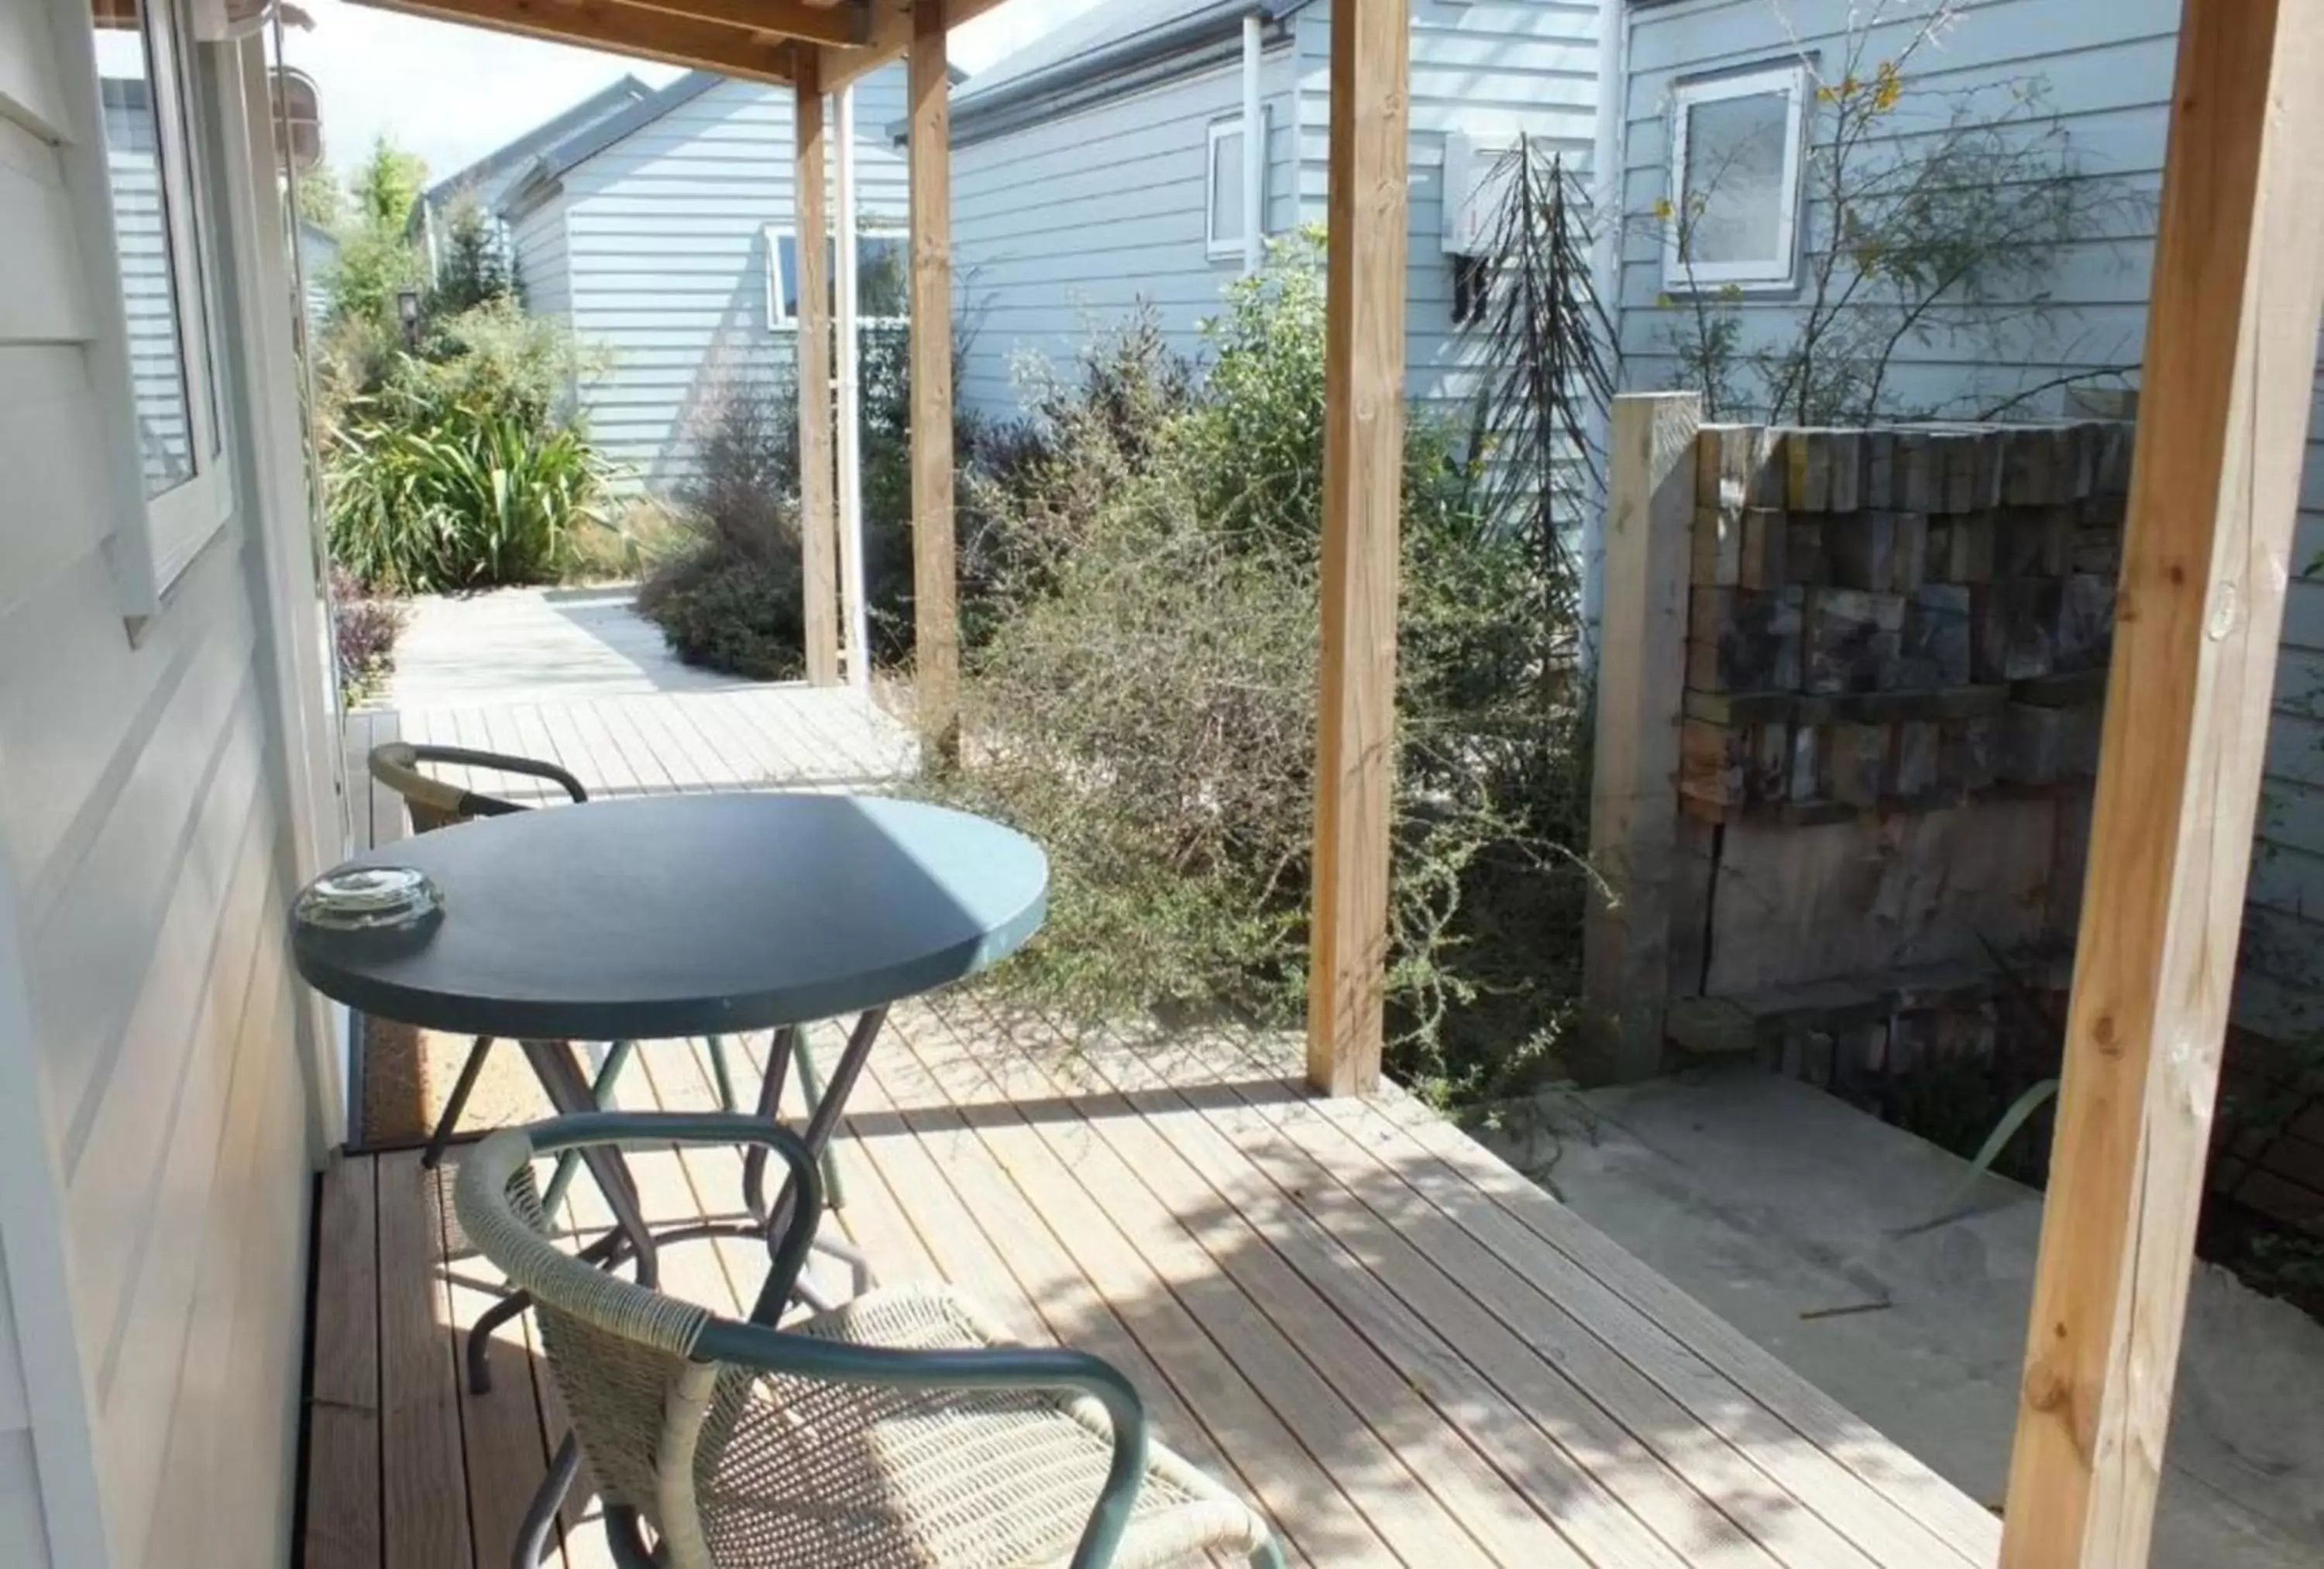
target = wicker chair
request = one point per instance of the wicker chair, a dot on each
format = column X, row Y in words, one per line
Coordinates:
column 899, row 1429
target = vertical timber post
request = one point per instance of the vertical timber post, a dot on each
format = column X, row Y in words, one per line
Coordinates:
column 1363, row 461
column 1641, row 688
column 818, row 521
column 2230, row 355
column 934, row 614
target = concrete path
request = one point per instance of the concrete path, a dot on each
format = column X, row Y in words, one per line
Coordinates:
column 535, row 645
column 1778, row 1207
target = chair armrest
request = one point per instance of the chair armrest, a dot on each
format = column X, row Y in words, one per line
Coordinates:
column 502, row 763
column 559, row 1135
column 560, row 1280
column 395, row 764
column 1001, row 1367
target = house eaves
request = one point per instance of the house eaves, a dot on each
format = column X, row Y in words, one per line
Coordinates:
column 1143, row 49
column 597, row 107
column 550, row 169
column 555, row 162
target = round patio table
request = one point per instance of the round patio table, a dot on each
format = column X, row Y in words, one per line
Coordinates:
column 671, row 916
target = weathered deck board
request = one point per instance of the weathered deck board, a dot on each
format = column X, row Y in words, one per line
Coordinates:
column 1401, row 1349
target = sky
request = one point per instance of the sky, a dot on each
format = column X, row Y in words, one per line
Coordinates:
column 452, row 93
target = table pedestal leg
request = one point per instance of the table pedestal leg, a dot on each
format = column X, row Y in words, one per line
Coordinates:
column 821, row 1123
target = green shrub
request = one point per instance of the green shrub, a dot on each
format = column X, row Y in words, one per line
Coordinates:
column 738, row 516
column 455, row 473
column 1144, row 703
column 729, row 591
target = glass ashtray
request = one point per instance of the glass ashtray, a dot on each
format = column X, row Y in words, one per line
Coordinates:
column 370, row 899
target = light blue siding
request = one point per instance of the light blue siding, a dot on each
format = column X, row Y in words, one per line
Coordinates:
column 2107, row 72
column 1063, row 226
column 539, row 252
column 653, row 250
column 1492, row 69
column 2104, row 71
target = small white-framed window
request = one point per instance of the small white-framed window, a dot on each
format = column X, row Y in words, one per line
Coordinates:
column 1733, row 209
column 884, row 275
column 162, row 243
column 1222, row 187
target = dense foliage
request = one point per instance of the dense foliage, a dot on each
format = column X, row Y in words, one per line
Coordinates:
column 727, row 593
column 1144, row 702
column 454, row 471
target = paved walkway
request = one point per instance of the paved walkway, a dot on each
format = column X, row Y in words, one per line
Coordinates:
column 533, row 645
column 577, row 675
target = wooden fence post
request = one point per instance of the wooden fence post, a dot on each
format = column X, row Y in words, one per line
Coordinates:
column 2230, row 357
column 1641, row 687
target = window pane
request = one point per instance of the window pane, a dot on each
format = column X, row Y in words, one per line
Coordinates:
column 787, row 275
column 883, row 277
column 141, row 222
column 1226, row 187
column 1735, row 180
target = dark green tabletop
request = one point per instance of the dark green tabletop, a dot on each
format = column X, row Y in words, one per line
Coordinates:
column 689, row 915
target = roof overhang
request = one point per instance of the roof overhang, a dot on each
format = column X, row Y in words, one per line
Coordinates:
column 828, row 41
column 1187, row 44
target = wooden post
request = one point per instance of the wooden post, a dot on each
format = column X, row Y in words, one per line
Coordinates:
column 1641, row 688
column 2230, row 353
column 819, row 518
column 1363, row 460
column 935, row 618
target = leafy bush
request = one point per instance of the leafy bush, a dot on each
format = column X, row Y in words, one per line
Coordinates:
column 739, row 517
column 456, row 472
column 366, row 629
column 730, row 592
column 1145, row 702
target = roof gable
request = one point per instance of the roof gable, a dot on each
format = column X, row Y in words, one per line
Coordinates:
column 607, row 101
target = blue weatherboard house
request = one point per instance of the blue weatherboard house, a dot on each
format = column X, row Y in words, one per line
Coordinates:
column 659, row 230
column 1102, row 166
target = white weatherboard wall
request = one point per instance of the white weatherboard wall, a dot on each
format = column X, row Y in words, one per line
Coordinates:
column 653, row 250
column 2106, row 74
column 154, row 1145
column 1062, row 227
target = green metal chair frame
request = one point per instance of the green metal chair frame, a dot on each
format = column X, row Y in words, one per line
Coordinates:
column 663, row 1392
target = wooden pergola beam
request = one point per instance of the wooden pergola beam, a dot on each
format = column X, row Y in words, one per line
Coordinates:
column 1363, row 470
column 2230, row 354
column 818, row 499
column 888, row 33
column 623, row 29
column 843, row 26
column 935, row 627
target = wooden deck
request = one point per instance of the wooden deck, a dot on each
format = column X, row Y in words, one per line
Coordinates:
column 1400, row 1349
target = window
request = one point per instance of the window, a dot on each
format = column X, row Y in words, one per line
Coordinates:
column 1733, row 215
column 153, row 174
column 882, row 276
column 1222, row 187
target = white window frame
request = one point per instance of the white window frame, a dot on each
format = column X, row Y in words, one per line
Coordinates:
column 1229, row 247
column 781, row 320
column 181, row 521
column 1782, row 271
